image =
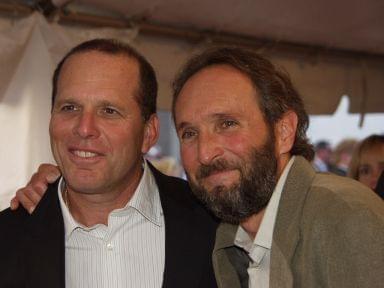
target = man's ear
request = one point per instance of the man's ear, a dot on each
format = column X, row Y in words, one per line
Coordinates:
column 151, row 133
column 285, row 131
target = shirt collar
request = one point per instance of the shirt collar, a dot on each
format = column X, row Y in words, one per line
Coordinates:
column 70, row 224
column 264, row 235
column 145, row 200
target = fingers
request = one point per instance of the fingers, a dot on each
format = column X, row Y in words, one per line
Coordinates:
column 38, row 184
column 48, row 172
column 14, row 203
column 27, row 198
column 31, row 195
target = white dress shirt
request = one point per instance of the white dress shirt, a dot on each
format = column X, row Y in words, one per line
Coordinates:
column 259, row 249
column 129, row 252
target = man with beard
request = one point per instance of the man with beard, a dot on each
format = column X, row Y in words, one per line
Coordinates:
column 242, row 126
column 242, row 130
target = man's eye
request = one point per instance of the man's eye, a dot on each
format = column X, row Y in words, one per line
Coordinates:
column 110, row 111
column 68, row 108
column 228, row 123
column 188, row 134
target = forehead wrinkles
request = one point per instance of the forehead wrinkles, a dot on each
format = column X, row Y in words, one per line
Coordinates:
column 218, row 89
column 221, row 78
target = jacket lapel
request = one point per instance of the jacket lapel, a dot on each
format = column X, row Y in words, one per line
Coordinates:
column 185, row 244
column 44, row 246
column 280, row 273
column 225, row 271
column 287, row 227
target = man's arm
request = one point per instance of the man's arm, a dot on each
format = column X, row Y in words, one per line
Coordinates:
column 30, row 195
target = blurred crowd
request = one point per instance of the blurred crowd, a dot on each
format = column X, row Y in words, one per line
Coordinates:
column 164, row 163
column 362, row 161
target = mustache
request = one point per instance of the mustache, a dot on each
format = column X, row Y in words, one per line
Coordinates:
column 216, row 166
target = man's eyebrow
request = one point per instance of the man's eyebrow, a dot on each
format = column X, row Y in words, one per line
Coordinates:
column 223, row 115
column 68, row 100
column 182, row 125
column 214, row 116
column 107, row 103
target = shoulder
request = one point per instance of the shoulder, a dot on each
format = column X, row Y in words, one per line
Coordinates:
column 334, row 225
column 341, row 207
column 12, row 235
column 173, row 188
column 170, row 181
column 325, row 193
column 343, row 226
column 176, row 196
column 340, row 192
column 324, row 204
column 12, row 227
column 17, row 220
column 11, row 220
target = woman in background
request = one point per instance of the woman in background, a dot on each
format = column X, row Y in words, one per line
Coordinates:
column 341, row 156
column 367, row 163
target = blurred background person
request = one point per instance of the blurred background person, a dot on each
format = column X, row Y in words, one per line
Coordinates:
column 380, row 186
column 164, row 163
column 367, row 162
column 323, row 154
column 341, row 157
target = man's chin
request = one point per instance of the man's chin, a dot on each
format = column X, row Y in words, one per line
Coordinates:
column 214, row 189
column 230, row 214
column 227, row 214
column 83, row 185
column 226, row 178
column 226, row 203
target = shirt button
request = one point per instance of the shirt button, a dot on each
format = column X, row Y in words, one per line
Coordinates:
column 109, row 246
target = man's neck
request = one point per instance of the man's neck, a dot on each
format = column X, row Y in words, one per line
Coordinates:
column 92, row 209
column 252, row 224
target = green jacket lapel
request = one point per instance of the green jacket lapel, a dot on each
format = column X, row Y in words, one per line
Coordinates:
column 287, row 226
column 226, row 275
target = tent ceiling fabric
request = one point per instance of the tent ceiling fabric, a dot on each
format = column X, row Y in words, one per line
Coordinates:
column 321, row 77
column 343, row 24
column 353, row 25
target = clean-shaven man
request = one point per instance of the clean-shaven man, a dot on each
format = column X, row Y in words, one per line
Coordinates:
column 112, row 220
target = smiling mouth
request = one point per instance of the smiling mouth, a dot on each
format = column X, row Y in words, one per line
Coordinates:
column 213, row 172
column 84, row 154
column 219, row 176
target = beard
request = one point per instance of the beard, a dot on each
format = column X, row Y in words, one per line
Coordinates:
column 237, row 202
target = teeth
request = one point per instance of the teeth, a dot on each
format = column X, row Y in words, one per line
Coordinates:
column 84, row 154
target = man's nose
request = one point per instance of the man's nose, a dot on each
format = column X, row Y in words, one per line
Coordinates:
column 86, row 126
column 209, row 148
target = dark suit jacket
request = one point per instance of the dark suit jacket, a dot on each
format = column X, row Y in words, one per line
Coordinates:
column 32, row 246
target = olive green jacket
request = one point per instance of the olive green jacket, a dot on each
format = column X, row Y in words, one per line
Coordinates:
column 329, row 232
